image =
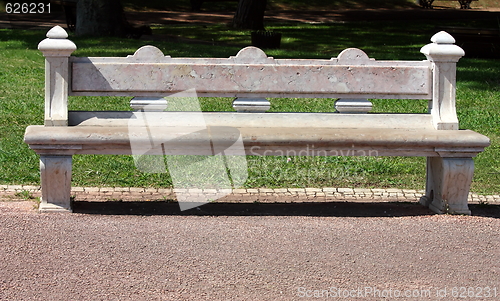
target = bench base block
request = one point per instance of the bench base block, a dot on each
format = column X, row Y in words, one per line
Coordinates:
column 448, row 184
column 447, row 187
column 48, row 207
column 55, row 178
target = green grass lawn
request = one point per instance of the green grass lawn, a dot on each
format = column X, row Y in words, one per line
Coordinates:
column 21, row 104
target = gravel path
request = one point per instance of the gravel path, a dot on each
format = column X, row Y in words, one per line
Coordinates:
column 239, row 254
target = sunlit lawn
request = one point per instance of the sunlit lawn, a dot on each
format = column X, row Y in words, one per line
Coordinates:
column 21, row 104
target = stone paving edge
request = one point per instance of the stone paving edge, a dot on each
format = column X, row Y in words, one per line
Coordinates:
column 10, row 192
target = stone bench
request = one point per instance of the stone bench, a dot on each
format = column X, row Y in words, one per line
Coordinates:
column 250, row 77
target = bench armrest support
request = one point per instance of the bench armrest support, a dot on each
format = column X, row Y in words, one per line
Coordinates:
column 444, row 56
column 56, row 49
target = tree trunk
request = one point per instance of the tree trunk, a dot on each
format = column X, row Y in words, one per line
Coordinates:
column 100, row 18
column 250, row 14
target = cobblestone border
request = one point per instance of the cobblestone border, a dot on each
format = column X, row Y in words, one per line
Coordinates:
column 22, row 192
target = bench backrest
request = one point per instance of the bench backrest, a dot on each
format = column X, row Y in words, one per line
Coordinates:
column 251, row 74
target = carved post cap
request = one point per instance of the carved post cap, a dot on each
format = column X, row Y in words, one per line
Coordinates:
column 442, row 48
column 56, row 43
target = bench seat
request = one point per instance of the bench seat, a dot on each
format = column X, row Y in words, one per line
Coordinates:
column 96, row 136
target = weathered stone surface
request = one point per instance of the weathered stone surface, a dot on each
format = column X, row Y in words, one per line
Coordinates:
column 448, row 184
column 271, row 80
column 251, row 75
column 55, row 178
column 275, row 141
column 443, row 55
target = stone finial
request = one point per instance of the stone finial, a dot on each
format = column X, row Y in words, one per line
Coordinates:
column 353, row 55
column 149, row 53
column 442, row 49
column 252, row 55
column 57, row 32
column 56, row 43
column 443, row 37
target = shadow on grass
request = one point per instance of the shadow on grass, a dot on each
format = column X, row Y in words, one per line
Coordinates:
column 21, row 39
column 337, row 209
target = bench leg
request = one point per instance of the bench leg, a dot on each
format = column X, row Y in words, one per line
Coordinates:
column 448, row 184
column 55, row 178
